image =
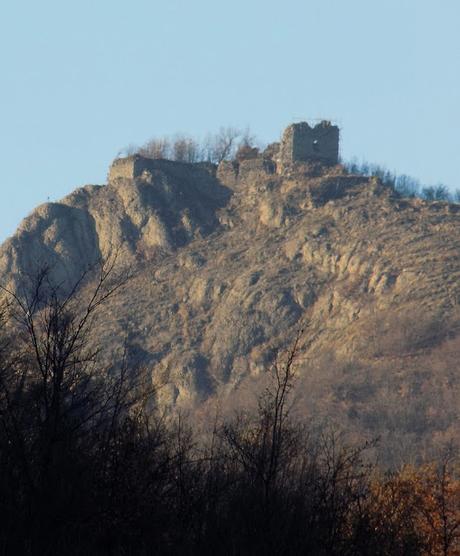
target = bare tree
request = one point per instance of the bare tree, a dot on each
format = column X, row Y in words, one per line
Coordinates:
column 221, row 145
column 157, row 148
column 407, row 186
column 54, row 395
column 438, row 192
column 264, row 445
column 185, row 149
column 247, row 138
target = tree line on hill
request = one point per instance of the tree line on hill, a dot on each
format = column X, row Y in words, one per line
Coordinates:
column 214, row 148
column 405, row 185
column 90, row 465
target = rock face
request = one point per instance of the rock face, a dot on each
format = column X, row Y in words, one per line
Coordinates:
column 230, row 261
column 147, row 206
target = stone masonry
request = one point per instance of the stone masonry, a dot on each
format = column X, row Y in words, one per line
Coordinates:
column 303, row 143
column 129, row 168
column 300, row 143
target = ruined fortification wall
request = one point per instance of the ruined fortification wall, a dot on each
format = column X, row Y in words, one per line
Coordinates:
column 233, row 173
column 134, row 166
column 255, row 166
column 302, row 143
column 127, row 168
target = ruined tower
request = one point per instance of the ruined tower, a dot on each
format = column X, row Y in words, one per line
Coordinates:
column 303, row 143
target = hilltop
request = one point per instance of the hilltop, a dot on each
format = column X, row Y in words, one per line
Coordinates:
column 230, row 259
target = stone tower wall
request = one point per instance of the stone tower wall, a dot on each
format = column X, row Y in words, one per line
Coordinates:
column 302, row 143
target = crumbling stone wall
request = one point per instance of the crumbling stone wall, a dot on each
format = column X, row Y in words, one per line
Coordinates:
column 170, row 179
column 302, row 143
column 232, row 173
column 257, row 165
column 134, row 166
column 128, row 168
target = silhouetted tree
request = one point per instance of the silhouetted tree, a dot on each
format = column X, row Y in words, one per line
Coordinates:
column 436, row 193
column 185, row 149
column 89, row 466
column 156, row 148
column 221, row 145
column 407, row 186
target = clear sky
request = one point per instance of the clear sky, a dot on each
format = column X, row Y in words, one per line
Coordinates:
column 82, row 79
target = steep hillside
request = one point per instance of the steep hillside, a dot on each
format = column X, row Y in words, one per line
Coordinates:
column 229, row 262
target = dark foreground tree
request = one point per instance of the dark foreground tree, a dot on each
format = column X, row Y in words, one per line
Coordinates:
column 61, row 411
column 88, row 466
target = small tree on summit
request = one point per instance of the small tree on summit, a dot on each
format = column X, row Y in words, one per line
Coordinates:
column 215, row 148
column 436, row 193
column 156, row 148
column 221, row 146
column 185, row 149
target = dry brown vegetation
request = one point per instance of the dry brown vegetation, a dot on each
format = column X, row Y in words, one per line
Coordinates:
column 88, row 466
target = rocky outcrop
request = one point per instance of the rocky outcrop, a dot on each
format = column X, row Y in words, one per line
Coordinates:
column 230, row 261
column 160, row 208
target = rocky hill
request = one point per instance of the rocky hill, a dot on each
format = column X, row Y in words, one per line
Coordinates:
column 229, row 261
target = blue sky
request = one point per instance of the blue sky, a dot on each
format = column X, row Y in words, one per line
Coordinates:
column 81, row 80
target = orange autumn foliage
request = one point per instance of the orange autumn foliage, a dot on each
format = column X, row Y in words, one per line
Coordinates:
column 422, row 504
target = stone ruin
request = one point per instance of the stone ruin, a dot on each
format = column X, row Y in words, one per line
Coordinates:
column 138, row 166
column 300, row 143
column 129, row 167
column 303, row 143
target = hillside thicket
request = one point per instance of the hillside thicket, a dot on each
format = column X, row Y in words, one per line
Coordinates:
column 89, row 466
